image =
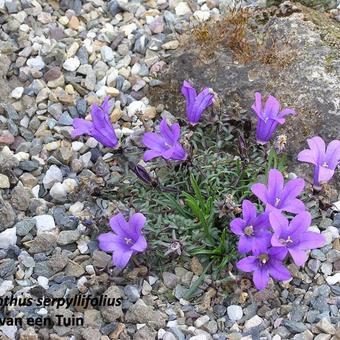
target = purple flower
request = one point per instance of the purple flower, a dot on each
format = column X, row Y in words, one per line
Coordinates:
column 100, row 128
column 126, row 240
column 293, row 237
column 164, row 144
column 196, row 104
column 325, row 160
column 265, row 264
column 252, row 229
column 268, row 117
column 279, row 196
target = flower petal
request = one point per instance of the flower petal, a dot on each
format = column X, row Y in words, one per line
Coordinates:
column 98, row 116
column 107, row 242
column 237, row 225
column 244, row 244
column 275, row 185
column 257, row 106
column 136, row 222
column 81, row 127
column 176, row 131
column 311, row 240
column 154, row 141
column 285, row 112
column 278, row 222
column 318, row 147
column 119, row 225
column 307, row 156
column 150, row 154
column 106, row 136
column 292, row 189
column 190, row 95
column 166, row 132
column 299, row 225
column 121, row 259
column 248, row 264
column 176, row 153
column 261, row 221
column 272, row 107
column 275, row 241
column 261, row 242
column 260, row 191
column 333, row 154
column 278, row 271
column 103, row 130
column 265, row 130
column 299, row 256
column 260, row 278
column 277, row 253
column 140, row 245
column 203, row 100
column 248, row 211
column 106, row 105
column 324, row 174
column 295, row 206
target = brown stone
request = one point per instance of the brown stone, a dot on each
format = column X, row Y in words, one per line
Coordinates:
column 116, row 333
column 52, row 74
column 196, row 266
column 115, row 115
column 29, row 334
column 74, row 23
column 149, row 113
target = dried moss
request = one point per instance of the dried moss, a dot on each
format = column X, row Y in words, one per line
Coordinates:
column 310, row 3
column 235, row 33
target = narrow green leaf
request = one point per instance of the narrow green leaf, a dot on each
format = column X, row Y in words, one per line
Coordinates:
column 196, row 284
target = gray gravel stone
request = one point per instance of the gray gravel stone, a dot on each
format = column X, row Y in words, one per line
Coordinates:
column 295, row 327
column 132, row 293
column 68, row 236
column 25, row 226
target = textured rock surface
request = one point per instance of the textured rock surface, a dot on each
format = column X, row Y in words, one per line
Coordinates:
column 298, row 62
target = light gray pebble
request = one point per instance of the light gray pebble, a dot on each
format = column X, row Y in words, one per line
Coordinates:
column 25, row 226
column 68, row 236
column 132, row 293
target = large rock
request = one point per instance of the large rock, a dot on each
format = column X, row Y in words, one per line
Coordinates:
column 290, row 51
column 112, row 313
column 142, row 313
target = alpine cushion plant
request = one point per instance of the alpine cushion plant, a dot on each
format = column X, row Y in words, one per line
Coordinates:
column 324, row 159
column 125, row 240
column 100, row 128
column 294, row 237
column 252, row 229
column 196, row 103
column 265, row 264
column 165, row 143
column 279, row 196
column 268, row 117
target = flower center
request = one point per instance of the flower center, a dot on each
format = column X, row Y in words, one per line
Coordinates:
column 263, row 258
column 175, row 245
column 277, row 201
column 325, row 165
column 128, row 240
column 249, row 231
column 286, row 242
column 265, row 119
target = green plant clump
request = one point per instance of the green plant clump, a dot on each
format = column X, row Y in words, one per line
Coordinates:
column 189, row 205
